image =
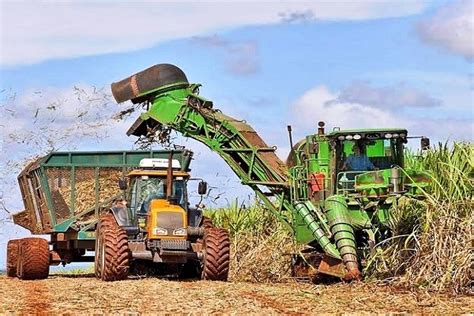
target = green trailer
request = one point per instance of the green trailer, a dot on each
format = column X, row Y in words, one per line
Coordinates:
column 64, row 194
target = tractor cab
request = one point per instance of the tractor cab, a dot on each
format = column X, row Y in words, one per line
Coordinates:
column 157, row 196
column 149, row 185
column 359, row 152
column 158, row 230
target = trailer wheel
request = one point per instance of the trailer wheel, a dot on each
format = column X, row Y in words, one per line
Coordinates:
column 112, row 251
column 33, row 259
column 216, row 246
column 12, row 257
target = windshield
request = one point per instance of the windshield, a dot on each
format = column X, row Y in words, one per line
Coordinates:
column 366, row 155
column 145, row 189
column 355, row 157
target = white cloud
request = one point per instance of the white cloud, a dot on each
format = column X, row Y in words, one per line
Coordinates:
column 451, row 28
column 241, row 57
column 389, row 97
column 320, row 104
column 35, row 31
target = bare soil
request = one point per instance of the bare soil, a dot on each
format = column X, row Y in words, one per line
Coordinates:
column 85, row 294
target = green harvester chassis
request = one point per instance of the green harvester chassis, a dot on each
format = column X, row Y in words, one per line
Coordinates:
column 307, row 193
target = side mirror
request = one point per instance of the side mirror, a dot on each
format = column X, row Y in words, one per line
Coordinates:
column 122, row 183
column 425, row 143
column 202, row 188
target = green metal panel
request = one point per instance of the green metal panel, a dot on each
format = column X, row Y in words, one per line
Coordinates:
column 47, row 194
column 377, row 149
column 105, row 158
column 86, row 235
column 70, row 162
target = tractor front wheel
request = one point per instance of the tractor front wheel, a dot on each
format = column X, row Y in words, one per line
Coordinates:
column 216, row 248
column 33, row 259
column 112, row 251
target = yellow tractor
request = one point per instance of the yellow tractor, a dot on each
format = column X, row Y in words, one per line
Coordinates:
column 153, row 229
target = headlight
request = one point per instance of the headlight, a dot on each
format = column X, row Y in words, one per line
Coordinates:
column 180, row 232
column 160, row 231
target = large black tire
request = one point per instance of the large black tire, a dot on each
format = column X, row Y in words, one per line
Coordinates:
column 216, row 246
column 13, row 248
column 33, row 259
column 105, row 221
column 112, row 251
column 207, row 223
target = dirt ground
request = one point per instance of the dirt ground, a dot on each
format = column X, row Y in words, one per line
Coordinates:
column 84, row 294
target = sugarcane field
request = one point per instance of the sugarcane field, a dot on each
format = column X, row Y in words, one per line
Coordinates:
column 237, row 157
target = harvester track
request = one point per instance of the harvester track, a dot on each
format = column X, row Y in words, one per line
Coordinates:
column 112, row 251
column 12, row 257
column 33, row 259
column 217, row 254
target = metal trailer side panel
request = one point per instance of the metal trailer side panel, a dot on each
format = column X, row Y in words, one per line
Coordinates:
column 64, row 191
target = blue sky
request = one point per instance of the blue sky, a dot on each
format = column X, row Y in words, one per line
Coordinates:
column 353, row 64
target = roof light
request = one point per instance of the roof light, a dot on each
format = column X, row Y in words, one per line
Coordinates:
column 395, row 135
column 388, row 135
column 349, row 137
column 341, row 137
column 159, row 163
column 357, row 137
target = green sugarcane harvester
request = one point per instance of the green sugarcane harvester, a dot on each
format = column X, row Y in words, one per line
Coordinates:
column 339, row 212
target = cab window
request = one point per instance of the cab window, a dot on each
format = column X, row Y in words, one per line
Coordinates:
column 146, row 189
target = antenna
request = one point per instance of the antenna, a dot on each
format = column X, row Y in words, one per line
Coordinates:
column 169, row 176
column 290, row 136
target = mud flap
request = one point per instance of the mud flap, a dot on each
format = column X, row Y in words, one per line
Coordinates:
column 332, row 266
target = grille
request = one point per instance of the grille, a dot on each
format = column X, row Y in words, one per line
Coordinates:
column 169, row 244
column 170, row 221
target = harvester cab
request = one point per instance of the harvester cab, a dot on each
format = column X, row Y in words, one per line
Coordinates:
column 366, row 152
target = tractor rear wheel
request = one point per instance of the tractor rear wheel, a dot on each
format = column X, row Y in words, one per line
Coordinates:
column 12, row 257
column 216, row 247
column 33, row 259
column 112, row 251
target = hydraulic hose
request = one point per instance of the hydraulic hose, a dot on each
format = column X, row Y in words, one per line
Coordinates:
column 343, row 233
column 316, row 230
